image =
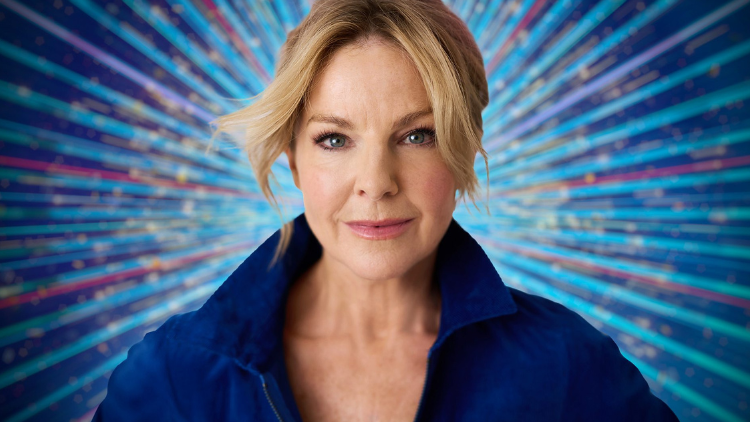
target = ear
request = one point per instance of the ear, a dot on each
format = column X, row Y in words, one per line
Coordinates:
column 292, row 166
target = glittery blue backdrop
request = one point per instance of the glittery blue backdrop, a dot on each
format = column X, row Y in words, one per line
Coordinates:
column 620, row 158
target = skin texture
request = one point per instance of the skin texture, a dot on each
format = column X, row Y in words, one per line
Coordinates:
column 361, row 320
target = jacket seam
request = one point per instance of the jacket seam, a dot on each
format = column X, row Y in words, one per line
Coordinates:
column 177, row 341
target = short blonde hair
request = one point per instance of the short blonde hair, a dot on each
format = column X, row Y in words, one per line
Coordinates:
column 438, row 42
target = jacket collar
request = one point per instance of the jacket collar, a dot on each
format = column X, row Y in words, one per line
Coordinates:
column 246, row 314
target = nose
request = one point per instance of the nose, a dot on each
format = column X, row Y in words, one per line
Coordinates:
column 376, row 173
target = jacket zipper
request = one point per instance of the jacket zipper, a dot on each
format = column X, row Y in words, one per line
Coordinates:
column 424, row 388
column 273, row 406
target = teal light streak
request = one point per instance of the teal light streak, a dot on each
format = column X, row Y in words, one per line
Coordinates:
column 119, row 157
column 637, row 269
column 141, row 137
column 611, row 319
column 100, row 91
column 641, row 154
column 655, row 120
column 113, row 329
column 624, row 295
column 68, row 389
column 145, row 47
column 657, row 87
column 80, row 311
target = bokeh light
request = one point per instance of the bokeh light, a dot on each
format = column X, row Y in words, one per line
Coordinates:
column 619, row 144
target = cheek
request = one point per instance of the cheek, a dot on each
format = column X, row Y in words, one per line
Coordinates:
column 322, row 186
column 433, row 186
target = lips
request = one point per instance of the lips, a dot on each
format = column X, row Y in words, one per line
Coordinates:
column 379, row 223
column 380, row 229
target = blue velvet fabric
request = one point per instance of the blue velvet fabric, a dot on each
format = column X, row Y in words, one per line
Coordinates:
column 500, row 355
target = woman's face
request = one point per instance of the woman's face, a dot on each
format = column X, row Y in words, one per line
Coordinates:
column 365, row 153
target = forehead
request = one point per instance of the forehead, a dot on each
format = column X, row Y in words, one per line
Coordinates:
column 374, row 80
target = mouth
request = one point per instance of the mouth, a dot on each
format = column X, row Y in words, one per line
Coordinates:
column 380, row 229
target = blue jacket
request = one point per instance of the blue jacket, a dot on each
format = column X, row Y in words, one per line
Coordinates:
column 500, row 354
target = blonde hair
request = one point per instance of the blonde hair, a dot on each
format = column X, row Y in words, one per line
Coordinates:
column 442, row 49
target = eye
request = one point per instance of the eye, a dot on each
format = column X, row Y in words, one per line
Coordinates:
column 337, row 141
column 416, row 137
column 423, row 136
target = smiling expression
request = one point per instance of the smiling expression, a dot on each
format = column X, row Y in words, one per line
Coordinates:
column 365, row 156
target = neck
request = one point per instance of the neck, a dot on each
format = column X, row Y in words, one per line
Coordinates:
column 329, row 301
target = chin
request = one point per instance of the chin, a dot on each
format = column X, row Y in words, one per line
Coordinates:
column 382, row 265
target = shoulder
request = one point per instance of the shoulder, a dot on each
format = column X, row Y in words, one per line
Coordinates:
column 142, row 374
column 537, row 315
column 161, row 377
column 601, row 383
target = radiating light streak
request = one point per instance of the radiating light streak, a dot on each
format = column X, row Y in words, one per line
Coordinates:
column 517, row 280
column 130, row 225
column 507, row 33
column 140, row 136
column 103, row 274
column 556, row 14
column 269, row 43
column 136, row 76
column 494, row 13
column 663, row 172
column 640, row 154
column 667, row 214
column 720, row 291
column 520, row 26
column 80, row 311
column 125, row 202
column 620, row 323
column 651, row 242
column 24, row 213
column 664, row 286
column 592, row 18
column 151, row 184
column 498, row 121
column 234, row 63
column 628, row 66
column 463, row 8
column 696, row 319
column 652, row 121
column 96, row 89
column 271, row 22
column 115, row 156
column 125, row 178
column 697, row 167
column 689, row 394
column 564, row 213
column 69, row 388
column 113, row 329
column 103, row 184
column 242, row 41
column 288, row 21
column 305, row 4
column 649, row 91
column 655, row 199
column 507, row 219
column 667, row 182
column 733, row 294
column 63, row 250
column 145, row 47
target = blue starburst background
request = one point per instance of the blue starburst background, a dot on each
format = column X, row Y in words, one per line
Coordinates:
column 619, row 140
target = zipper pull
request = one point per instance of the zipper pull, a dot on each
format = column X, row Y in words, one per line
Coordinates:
column 271, row 390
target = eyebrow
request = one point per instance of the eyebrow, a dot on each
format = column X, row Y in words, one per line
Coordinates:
column 345, row 124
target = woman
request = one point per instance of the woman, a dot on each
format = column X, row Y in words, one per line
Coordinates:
column 375, row 304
